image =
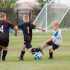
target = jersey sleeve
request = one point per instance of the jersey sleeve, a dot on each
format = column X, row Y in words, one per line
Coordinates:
column 33, row 26
column 11, row 25
column 19, row 26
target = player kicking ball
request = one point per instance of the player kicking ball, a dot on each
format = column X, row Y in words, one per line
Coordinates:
column 4, row 35
column 55, row 41
column 27, row 28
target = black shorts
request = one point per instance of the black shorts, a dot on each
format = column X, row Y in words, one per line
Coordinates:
column 4, row 43
column 54, row 46
column 28, row 44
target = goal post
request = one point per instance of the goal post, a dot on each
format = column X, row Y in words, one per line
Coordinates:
column 49, row 13
column 41, row 18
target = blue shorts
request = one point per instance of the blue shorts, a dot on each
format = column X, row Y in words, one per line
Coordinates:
column 54, row 46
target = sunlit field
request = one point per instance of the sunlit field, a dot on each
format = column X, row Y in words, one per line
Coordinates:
column 61, row 59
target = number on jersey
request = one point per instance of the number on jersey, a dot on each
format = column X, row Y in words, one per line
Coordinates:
column 1, row 29
column 28, row 29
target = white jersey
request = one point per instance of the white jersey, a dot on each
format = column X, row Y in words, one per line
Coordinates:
column 57, row 37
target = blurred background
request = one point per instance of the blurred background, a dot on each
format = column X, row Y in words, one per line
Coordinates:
column 16, row 9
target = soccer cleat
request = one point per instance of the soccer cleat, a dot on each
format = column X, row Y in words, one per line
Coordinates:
column 20, row 59
column 50, row 58
column 3, row 60
column 34, row 50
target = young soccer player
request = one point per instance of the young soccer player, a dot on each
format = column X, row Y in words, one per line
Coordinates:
column 27, row 28
column 55, row 41
column 4, row 34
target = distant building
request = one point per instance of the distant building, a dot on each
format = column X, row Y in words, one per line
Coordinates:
column 26, row 5
column 28, row 8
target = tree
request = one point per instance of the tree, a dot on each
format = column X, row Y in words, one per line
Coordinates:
column 42, row 2
column 7, row 3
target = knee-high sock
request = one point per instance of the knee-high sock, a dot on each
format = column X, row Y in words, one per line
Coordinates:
column 0, row 52
column 51, row 55
column 22, row 54
column 4, row 54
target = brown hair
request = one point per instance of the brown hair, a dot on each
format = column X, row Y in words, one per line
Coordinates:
column 2, row 14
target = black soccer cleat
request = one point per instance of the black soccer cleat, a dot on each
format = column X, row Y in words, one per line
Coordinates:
column 20, row 59
column 3, row 60
column 33, row 50
column 50, row 58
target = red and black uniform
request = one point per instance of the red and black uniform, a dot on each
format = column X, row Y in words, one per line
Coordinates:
column 27, row 27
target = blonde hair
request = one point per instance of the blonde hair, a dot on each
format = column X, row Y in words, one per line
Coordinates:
column 2, row 15
column 55, row 22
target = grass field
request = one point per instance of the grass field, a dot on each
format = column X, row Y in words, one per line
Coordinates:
column 61, row 61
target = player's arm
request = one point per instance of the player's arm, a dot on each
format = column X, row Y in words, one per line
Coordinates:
column 39, row 28
column 63, row 30
column 14, row 27
column 17, row 28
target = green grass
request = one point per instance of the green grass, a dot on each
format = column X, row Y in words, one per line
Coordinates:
column 61, row 61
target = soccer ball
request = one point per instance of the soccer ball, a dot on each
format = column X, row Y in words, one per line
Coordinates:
column 38, row 56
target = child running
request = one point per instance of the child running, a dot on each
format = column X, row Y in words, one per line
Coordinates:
column 4, row 34
column 27, row 28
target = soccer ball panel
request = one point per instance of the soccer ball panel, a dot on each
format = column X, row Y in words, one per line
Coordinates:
column 37, row 56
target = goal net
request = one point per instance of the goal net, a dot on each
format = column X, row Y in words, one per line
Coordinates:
column 50, row 12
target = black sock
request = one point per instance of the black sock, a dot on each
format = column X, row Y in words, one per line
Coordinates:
column 51, row 55
column 4, row 54
column 0, row 52
column 22, row 54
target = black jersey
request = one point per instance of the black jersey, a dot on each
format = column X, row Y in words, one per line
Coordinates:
column 4, row 29
column 27, row 27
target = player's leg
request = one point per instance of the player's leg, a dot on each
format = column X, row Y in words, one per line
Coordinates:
column 22, row 53
column 4, row 53
column 51, row 48
column 5, row 45
column 0, row 51
column 40, row 48
column 50, row 52
column 27, row 45
column 0, row 47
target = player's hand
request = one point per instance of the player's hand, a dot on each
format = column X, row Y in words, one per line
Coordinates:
column 15, row 28
column 64, row 29
column 43, row 30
